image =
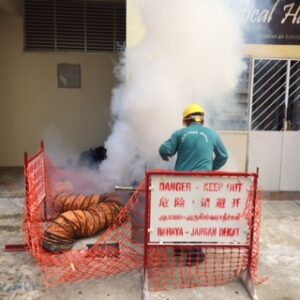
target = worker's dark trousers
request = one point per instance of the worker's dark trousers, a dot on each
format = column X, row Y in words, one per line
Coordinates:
column 193, row 255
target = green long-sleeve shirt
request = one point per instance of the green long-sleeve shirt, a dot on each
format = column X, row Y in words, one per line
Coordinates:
column 198, row 149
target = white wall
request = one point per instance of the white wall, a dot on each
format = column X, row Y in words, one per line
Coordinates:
column 32, row 107
column 276, row 153
column 236, row 144
column 135, row 30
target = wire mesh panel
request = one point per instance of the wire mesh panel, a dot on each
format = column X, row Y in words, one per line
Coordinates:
column 269, row 94
column 169, row 267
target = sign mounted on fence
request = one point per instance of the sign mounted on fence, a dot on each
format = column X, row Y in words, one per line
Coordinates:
column 200, row 209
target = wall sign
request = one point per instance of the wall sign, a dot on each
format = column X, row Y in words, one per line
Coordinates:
column 269, row 22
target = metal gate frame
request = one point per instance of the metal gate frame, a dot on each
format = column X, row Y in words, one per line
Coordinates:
column 290, row 89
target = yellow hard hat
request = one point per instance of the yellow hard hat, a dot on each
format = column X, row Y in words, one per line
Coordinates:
column 192, row 110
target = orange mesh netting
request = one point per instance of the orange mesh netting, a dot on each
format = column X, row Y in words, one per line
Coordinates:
column 119, row 248
column 186, row 266
column 166, row 269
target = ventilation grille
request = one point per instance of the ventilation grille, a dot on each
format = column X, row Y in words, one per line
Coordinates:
column 39, row 25
column 74, row 25
column 100, row 26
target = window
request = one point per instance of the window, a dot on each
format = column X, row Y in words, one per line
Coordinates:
column 266, row 98
column 75, row 25
column 275, row 95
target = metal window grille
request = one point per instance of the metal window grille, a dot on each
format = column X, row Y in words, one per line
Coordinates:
column 74, row 25
column 275, row 101
column 267, row 97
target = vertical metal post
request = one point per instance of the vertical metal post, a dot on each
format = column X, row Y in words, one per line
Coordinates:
column 147, row 209
column 26, row 198
column 246, row 276
column 286, row 102
column 146, row 235
column 287, row 92
column 250, row 100
column 44, row 179
column 25, row 173
column 254, row 196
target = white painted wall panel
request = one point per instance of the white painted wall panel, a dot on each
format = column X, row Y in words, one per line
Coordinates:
column 290, row 170
column 265, row 152
column 236, row 144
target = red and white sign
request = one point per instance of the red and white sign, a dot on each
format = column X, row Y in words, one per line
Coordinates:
column 199, row 209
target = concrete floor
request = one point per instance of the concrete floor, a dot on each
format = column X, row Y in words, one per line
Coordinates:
column 279, row 259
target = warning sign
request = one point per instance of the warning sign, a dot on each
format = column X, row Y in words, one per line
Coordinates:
column 199, row 209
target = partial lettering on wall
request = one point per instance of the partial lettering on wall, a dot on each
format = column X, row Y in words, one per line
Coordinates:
column 269, row 22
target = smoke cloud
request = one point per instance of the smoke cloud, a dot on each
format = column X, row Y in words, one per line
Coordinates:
column 191, row 53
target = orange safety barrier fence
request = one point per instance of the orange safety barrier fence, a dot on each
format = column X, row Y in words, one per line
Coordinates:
column 123, row 248
column 173, row 258
column 119, row 249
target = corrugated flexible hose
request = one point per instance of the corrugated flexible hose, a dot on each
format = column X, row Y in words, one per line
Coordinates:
column 81, row 216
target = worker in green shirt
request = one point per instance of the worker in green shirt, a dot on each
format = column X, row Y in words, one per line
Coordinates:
column 198, row 148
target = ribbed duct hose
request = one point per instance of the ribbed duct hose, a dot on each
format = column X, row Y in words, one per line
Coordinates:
column 81, row 217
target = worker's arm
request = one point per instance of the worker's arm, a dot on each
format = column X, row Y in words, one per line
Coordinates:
column 221, row 154
column 169, row 147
